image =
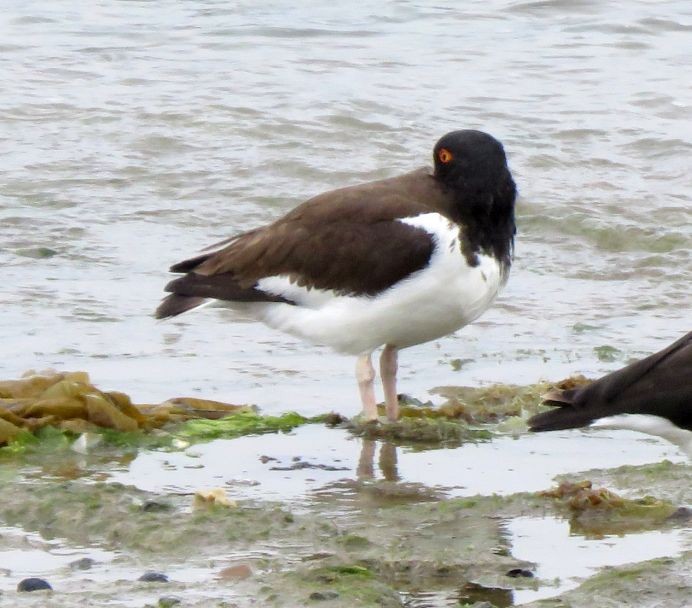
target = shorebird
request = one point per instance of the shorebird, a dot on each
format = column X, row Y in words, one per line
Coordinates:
column 390, row 263
column 651, row 396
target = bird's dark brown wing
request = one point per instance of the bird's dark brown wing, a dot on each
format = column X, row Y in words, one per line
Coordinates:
column 349, row 240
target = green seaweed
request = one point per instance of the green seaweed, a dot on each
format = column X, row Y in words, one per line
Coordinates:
column 51, row 439
column 47, row 439
column 242, row 423
column 421, row 432
column 607, row 353
column 347, row 583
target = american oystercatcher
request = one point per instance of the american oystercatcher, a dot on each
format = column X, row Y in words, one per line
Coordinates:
column 651, row 396
column 392, row 263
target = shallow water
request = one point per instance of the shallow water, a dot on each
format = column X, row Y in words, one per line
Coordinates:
column 343, row 483
column 542, row 539
column 135, row 134
column 261, row 467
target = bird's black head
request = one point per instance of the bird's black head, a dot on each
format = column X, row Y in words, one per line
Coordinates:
column 469, row 157
column 472, row 167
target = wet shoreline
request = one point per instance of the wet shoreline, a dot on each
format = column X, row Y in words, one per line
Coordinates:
column 318, row 514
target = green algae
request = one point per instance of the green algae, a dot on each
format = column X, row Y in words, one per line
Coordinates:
column 387, row 545
column 46, row 440
column 242, row 423
column 489, row 404
column 70, row 403
column 374, row 551
column 658, row 582
column 52, row 439
column 607, row 353
column 121, row 517
column 464, row 416
column 348, row 584
column 426, row 432
column 672, row 481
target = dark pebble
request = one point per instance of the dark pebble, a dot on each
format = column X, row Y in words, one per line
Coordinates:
column 334, row 419
column 33, row 584
column 82, row 564
column 153, row 577
column 681, row 514
column 320, row 596
column 520, row 573
column 154, row 506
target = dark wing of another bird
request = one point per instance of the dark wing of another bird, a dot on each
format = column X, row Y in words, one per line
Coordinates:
column 660, row 384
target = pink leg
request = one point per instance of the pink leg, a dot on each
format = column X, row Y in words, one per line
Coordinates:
column 365, row 374
column 388, row 367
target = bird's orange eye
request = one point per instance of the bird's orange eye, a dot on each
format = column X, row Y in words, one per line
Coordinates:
column 444, row 155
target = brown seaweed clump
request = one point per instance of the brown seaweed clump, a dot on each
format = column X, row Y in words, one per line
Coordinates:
column 599, row 511
column 70, row 402
column 464, row 415
column 497, row 402
column 581, row 495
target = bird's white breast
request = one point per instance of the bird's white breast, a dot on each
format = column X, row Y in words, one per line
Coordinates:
column 432, row 302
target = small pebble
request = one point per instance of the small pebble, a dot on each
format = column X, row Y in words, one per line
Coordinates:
column 33, row 584
column 520, row 573
column 82, row 564
column 153, row 577
column 237, row 572
column 168, row 601
column 320, row 596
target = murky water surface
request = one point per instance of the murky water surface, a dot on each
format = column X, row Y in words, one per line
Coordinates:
column 134, row 133
column 291, row 468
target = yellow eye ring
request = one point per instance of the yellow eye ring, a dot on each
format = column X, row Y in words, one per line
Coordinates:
column 445, row 155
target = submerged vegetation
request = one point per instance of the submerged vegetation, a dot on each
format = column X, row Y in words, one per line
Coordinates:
column 357, row 541
column 595, row 511
column 50, row 411
column 53, row 410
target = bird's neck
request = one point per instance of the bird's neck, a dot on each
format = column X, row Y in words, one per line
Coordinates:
column 487, row 222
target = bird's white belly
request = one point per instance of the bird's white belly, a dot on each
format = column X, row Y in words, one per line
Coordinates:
column 651, row 425
column 431, row 303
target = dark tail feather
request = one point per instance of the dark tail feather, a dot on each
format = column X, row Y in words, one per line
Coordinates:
column 191, row 264
column 220, row 287
column 175, row 304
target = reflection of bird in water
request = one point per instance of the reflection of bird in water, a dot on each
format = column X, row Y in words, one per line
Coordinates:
column 391, row 263
column 652, row 396
column 387, row 461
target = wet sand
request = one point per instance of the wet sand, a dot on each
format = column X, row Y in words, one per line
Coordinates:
column 321, row 516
